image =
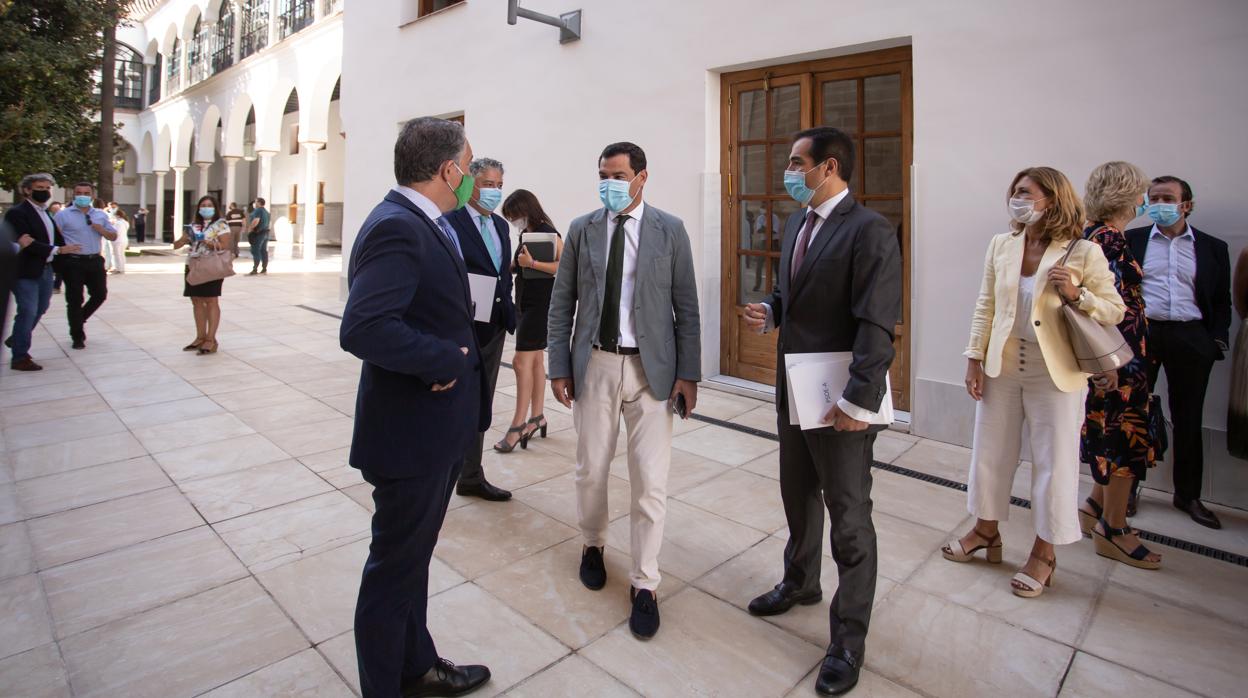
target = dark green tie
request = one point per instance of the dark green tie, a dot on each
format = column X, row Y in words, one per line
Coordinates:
column 609, row 328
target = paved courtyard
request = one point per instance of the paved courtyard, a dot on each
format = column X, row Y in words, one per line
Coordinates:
column 177, row 525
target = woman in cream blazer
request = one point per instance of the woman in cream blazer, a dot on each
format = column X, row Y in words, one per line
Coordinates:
column 1021, row 370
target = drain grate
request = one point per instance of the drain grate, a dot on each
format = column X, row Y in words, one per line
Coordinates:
column 1159, row 538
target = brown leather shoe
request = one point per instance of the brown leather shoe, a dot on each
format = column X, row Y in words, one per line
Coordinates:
column 26, row 364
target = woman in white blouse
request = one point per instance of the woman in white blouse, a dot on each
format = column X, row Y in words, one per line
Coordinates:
column 1021, row 370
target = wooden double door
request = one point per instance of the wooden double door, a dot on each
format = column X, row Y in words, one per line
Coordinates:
column 866, row 95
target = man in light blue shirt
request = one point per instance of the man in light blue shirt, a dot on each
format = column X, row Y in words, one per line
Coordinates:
column 84, row 226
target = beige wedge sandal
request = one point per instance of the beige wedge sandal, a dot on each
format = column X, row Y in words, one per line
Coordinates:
column 955, row 552
column 1029, row 587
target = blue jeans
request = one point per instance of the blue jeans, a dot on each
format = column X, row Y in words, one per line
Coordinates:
column 259, row 249
column 32, row 297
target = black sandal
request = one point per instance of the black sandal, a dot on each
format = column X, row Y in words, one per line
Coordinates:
column 505, row 447
column 1088, row 521
column 1106, row 547
column 540, row 422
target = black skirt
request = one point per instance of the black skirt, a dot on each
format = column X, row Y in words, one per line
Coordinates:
column 210, row 289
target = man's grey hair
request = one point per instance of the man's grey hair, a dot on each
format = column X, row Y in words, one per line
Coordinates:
column 29, row 180
column 480, row 165
column 423, row 146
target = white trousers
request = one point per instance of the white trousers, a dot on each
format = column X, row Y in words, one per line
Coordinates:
column 1024, row 393
column 115, row 253
column 616, row 385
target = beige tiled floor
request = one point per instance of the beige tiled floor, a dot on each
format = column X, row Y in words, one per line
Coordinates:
column 176, row 525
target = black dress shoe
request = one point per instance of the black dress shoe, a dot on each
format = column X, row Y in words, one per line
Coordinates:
column 25, row 364
column 839, row 673
column 1198, row 512
column 781, row 599
column 593, row 569
column 80, row 344
column 446, row 679
column 644, row 621
column 484, row 490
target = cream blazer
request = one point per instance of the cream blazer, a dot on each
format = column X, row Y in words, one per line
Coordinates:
column 998, row 302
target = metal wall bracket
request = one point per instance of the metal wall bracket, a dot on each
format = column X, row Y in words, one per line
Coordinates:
column 569, row 23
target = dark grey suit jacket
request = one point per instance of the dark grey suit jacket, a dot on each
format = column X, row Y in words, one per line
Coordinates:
column 846, row 297
column 665, row 295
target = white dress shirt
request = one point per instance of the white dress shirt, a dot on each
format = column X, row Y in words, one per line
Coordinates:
column 632, row 233
column 822, row 212
column 430, row 209
column 1170, row 277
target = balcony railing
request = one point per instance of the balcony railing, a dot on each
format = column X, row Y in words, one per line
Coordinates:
column 255, row 33
column 295, row 16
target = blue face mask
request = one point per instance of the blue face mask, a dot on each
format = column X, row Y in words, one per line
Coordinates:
column 207, row 213
column 490, row 198
column 615, row 194
column 1164, row 215
column 795, row 184
column 82, row 201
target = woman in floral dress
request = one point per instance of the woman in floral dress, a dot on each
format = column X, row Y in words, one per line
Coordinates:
column 1115, row 441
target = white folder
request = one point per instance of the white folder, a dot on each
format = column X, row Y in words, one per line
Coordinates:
column 482, row 288
column 816, row 381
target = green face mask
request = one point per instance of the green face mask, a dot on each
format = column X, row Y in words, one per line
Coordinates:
column 463, row 193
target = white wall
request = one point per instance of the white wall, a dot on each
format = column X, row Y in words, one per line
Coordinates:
column 997, row 86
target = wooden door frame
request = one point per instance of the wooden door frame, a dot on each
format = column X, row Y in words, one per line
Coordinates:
column 735, row 82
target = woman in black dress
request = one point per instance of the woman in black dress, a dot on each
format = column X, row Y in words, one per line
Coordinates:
column 525, row 214
column 209, row 231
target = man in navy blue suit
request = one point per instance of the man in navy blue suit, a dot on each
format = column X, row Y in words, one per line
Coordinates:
column 486, row 242
column 420, row 403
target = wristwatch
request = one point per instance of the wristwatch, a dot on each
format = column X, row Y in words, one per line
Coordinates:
column 1083, row 295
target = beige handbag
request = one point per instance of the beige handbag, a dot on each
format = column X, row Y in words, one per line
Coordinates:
column 1098, row 348
column 207, row 265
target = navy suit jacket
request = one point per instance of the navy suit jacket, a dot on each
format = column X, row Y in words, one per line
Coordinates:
column 26, row 220
column 477, row 257
column 408, row 313
column 1213, row 279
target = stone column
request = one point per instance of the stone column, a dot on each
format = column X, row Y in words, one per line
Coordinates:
column 264, row 178
column 158, row 225
column 231, row 178
column 274, row 37
column 179, row 186
column 202, row 189
column 237, row 38
column 311, row 181
column 143, row 189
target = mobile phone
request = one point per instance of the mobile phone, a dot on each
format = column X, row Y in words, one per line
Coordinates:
column 679, row 407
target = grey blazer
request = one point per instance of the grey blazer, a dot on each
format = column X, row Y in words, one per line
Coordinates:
column 846, row 297
column 665, row 307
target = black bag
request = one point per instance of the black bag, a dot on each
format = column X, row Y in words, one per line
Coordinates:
column 1157, row 427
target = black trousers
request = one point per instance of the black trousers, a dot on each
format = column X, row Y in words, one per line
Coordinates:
column 392, row 640
column 80, row 272
column 1186, row 352
column 821, row 469
column 491, row 359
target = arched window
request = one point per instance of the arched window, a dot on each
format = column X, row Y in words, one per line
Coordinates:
column 255, row 35
column 173, row 69
column 128, row 78
column 223, row 49
column 153, row 90
column 197, row 52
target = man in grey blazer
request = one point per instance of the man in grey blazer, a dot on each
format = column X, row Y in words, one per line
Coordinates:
column 839, row 290
column 626, row 278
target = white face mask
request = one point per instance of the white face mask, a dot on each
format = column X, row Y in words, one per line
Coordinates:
column 1024, row 211
column 520, row 224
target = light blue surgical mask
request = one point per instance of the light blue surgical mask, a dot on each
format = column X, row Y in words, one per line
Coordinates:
column 207, row 213
column 615, row 194
column 490, row 199
column 82, row 201
column 795, row 184
column 1164, row 215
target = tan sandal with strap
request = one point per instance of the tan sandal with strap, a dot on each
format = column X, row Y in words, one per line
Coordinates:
column 1029, row 587
column 954, row 551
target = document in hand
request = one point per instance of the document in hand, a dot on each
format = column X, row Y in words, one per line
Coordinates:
column 482, row 288
column 542, row 247
column 816, row 381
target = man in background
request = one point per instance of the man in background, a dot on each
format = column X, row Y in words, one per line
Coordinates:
column 258, row 238
column 87, row 227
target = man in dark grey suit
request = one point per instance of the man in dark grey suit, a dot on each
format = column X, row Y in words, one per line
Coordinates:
column 839, row 290
column 626, row 276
